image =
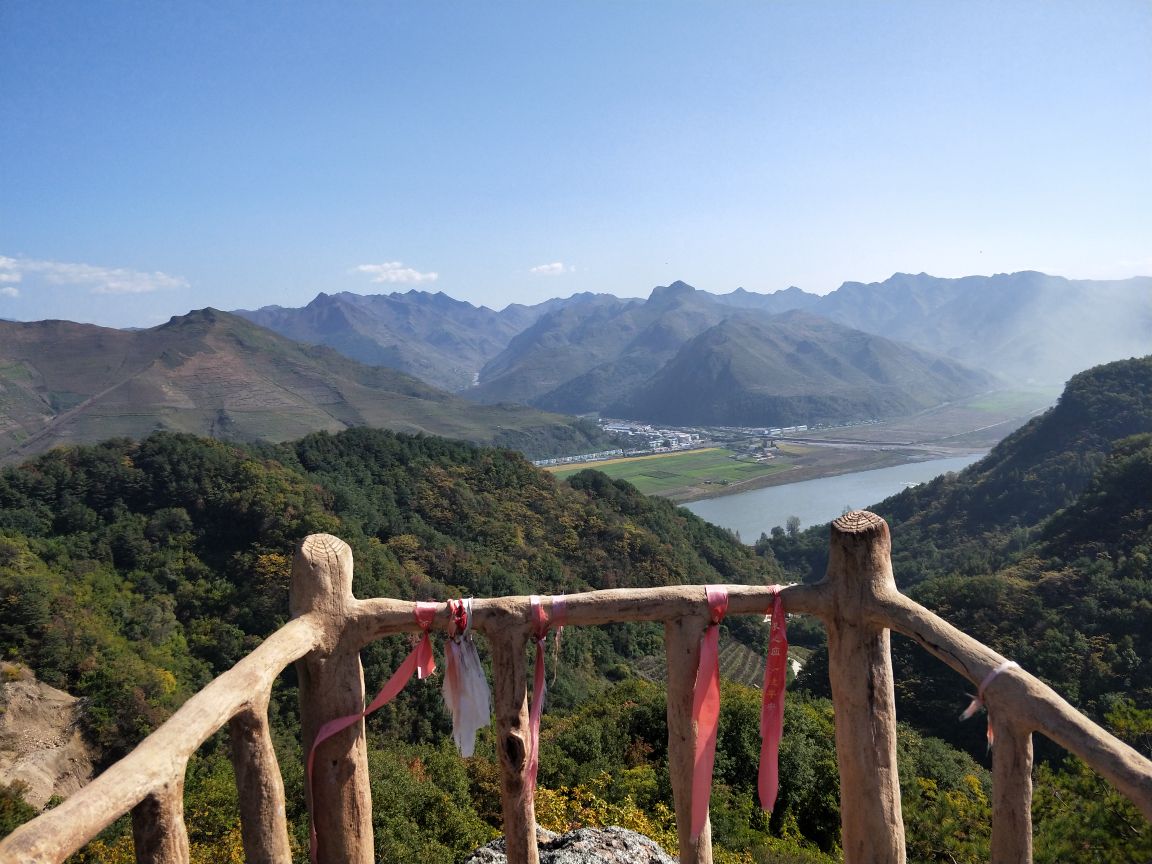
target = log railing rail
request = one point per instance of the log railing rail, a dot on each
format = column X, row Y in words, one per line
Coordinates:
column 857, row 601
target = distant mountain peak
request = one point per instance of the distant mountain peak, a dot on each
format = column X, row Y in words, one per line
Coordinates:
column 207, row 315
column 670, row 293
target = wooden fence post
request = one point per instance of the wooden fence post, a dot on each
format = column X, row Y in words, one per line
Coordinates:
column 1011, row 791
column 682, row 647
column 331, row 686
column 260, row 788
column 860, row 668
column 158, row 831
column 510, row 705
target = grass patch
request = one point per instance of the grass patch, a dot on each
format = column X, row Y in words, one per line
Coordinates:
column 1010, row 401
column 663, row 472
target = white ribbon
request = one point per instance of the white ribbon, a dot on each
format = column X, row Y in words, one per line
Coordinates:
column 465, row 686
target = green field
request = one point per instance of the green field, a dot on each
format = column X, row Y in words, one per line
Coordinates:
column 664, row 472
column 1008, row 401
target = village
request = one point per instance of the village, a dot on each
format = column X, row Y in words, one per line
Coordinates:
column 643, row 439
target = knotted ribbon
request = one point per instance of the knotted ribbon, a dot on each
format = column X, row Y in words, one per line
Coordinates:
column 978, row 700
column 465, row 687
column 706, row 708
column 772, row 706
column 420, row 661
column 541, row 622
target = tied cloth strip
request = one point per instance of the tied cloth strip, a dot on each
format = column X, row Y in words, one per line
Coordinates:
column 541, row 622
column 706, row 709
column 465, row 687
column 978, row 699
column 420, row 661
column 772, row 706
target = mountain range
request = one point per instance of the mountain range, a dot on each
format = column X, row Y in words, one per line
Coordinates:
column 759, row 370
column 591, row 351
column 216, row 374
column 681, row 356
column 433, row 337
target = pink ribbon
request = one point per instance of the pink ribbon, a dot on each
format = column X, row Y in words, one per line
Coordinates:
column 772, row 706
column 706, row 709
column 420, row 661
column 978, row 700
column 541, row 621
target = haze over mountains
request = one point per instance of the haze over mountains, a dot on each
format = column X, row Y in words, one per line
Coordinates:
column 433, row 337
column 215, row 374
column 756, row 370
column 589, row 352
column 681, row 356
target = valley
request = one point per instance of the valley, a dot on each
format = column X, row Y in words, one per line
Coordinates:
column 737, row 462
column 576, row 433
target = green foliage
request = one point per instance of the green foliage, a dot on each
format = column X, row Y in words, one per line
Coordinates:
column 1041, row 551
column 1080, row 817
column 613, row 753
column 422, row 809
column 131, row 573
column 14, row 812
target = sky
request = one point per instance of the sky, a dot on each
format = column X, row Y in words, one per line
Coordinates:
column 160, row 157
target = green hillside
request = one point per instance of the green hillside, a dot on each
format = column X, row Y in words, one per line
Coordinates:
column 172, row 554
column 1042, row 551
column 211, row 373
column 133, row 572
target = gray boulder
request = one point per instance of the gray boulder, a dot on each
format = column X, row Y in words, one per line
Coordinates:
column 584, row 846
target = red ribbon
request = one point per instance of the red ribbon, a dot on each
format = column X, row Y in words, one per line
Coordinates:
column 541, row 621
column 706, row 709
column 772, row 706
column 420, row 661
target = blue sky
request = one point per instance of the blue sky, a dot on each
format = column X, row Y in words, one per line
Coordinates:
column 158, row 157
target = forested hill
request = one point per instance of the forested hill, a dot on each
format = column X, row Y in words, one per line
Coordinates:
column 1041, row 468
column 132, row 573
column 1042, row 550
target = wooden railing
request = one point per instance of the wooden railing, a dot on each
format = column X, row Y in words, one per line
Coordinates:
column 857, row 602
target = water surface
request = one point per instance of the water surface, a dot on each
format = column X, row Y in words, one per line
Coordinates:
column 815, row 502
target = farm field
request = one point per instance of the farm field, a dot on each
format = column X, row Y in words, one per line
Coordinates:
column 665, row 473
column 978, row 422
column 738, row 663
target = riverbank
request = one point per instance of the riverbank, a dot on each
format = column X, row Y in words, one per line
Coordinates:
column 947, row 431
column 816, row 463
column 716, row 472
column 817, row 501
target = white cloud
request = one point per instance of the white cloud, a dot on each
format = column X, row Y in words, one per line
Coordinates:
column 9, row 291
column 553, row 269
column 98, row 280
column 395, row 271
column 8, row 271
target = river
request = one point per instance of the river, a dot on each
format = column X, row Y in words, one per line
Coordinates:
column 815, row 502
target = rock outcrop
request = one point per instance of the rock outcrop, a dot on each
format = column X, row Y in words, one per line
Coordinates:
column 584, row 846
column 41, row 746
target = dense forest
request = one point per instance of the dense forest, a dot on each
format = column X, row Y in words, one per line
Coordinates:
column 1041, row 550
column 131, row 573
